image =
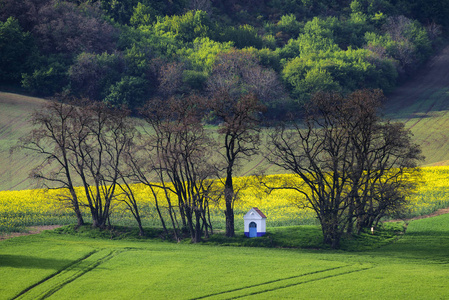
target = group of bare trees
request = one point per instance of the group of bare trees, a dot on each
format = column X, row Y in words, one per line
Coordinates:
column 83, row 144
column 354, row 167
column 167, row 149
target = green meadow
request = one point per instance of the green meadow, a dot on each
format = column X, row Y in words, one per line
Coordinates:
column 57, row 265
column 289, row 262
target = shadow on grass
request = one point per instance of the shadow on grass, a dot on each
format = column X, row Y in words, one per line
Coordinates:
column 30, row 262
column 277, row 237
column 295, row 237
column 310, row 237
column 113, row 233
column 425, row 239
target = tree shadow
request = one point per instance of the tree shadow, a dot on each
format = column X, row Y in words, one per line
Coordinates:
column 425, row 246
column 31, row 262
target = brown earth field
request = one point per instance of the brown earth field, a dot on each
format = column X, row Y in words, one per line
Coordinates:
column 31, row 230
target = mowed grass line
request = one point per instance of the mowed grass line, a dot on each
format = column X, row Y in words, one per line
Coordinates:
column 283, row 283
column 191, row 272
column 56, row 281
column 414, row 267
column 26, row 262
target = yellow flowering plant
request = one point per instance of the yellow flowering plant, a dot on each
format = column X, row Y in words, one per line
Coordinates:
column 19, row 209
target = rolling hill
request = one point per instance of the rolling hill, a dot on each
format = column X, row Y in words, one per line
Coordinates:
column 421, row 103
column 14, row 114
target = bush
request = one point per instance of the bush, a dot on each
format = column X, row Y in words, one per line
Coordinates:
column 201, row 57
column 186, row 28
column 242, row 36
column 129, row 91
column 91, row 75
column 290, row 25
column 194, row 79
column 46, row 80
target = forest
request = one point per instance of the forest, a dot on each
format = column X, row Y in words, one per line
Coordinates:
column 283, row 51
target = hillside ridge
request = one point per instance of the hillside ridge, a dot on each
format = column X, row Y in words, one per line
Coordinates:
column 421, row 103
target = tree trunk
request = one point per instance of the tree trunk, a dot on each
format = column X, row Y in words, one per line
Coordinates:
column 76, row 208
column 141, row 231
column 95, row 221
column 197, row 226
column 189, row 215
column 79, row 216
column 229, row 212
column 331, row 231
column 350, row 217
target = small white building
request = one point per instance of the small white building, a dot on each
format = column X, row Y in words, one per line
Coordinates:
column 255, row 223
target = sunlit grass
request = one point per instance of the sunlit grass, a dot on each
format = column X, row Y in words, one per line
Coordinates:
column 64, row 266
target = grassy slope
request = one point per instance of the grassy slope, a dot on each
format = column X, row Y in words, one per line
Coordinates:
column 68, row 267
column 14, row 113
column 422, row 103
column 14, row 168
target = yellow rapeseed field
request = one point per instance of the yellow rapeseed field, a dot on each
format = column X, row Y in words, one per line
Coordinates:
column 19, row 209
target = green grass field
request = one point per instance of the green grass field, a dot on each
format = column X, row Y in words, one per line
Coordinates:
column 57, row 266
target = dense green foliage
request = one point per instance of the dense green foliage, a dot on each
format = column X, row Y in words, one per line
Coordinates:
column 16, row 51
column 125, row 52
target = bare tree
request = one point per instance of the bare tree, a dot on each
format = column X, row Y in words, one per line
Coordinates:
column 128, row 196
column 184, row 158
column 239, row 89
column 50, row 139
column 204, row 5
column 170, row 79
column 240, row 130
column 98, row 141
column 142, row 163
column 398, row 27
column 382, row 160
column 238, row 72
column 350, row 163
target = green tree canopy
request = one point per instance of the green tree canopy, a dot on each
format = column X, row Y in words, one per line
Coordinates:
column 17, row 50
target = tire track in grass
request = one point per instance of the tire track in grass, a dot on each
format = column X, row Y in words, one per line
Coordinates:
column 303, row 282
column 287, row 282
column 53, row 283
column 52, row 275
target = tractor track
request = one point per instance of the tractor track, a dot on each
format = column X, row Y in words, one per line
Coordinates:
column 56, row 281
column 287, row 282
